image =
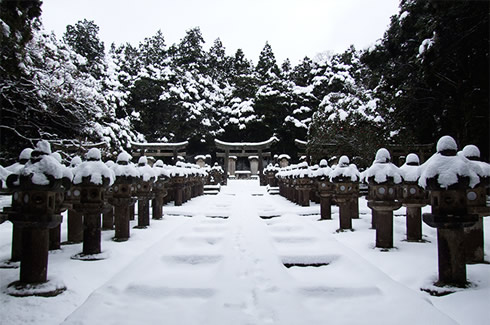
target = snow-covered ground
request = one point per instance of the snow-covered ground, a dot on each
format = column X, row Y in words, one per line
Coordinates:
column 214, row 260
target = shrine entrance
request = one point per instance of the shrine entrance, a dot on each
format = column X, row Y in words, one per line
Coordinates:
column 168, row 152
column 239, row 155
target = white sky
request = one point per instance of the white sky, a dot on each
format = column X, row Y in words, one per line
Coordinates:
column 294, row 28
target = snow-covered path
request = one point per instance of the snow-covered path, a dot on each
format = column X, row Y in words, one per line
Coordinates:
column 221, row 260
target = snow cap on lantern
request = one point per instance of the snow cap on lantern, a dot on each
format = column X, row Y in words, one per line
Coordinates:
column 411, row 169
column 382, row 170
column 412, row 160
column 345, row 170
column 447, row 169
column 25, row 155
column 94, row 170
column 124, row 167
column 146, row 172
column 471, row 152
column 43, row 165
column 75, row 161
column 94, row 155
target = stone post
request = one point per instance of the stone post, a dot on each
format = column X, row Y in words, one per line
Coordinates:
column 93, row 177
column 449, row 208
column 383, row 178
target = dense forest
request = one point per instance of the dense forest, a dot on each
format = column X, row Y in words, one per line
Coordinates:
column 427, row 76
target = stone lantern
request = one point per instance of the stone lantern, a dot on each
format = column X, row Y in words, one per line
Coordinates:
column 476, row 200
column 448, row 177
column 75, row 218
column 34, row 210
column 108, row 214
column 61, row 206
column 126, row 175
column 325, row 190
column 270, row 173
column 143, row 187
column 93, row 177
column 178, row 178
column 24, row 158
column 346, row 179
column 283, row 160
column 159, row 188
column 413, row 197
column 383, row 179
column 303, row 184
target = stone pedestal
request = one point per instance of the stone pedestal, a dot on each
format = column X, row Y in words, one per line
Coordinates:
column 75, row 227
column 232, row 165
column 254, row 165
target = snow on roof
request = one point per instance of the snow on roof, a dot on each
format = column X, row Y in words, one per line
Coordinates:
column 269, row 141
column 253, row 157
column 283, row 156
column 200, row 157
column 160, row 144
column 323, row 163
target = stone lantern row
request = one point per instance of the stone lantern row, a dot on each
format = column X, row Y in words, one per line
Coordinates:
column 453, row 183
column 42, row 188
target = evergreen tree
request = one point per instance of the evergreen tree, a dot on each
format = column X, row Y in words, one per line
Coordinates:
column 83, row 37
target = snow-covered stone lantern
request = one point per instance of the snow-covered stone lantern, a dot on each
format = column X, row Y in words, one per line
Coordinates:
column 476, row 198
column 383, row 179
column 75, row 218
column 270, row 173
column 93, row 177
column 15, row 168
column 346, row 179
column 108, row 214
column 143, row 187
column 34, row 210
column 178, row 178
column 448, row 177
column 159, row 188
column 122, row 195
column 60, row 204
column 303, row 184
column 413, row 197
column 325, row 189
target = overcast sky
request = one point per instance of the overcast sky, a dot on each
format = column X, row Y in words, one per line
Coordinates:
column 294, row 28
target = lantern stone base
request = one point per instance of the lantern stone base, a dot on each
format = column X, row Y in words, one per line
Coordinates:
column 51, row 288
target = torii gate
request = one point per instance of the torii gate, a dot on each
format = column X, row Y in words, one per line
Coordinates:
column 160, row 149
column 244, row 149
